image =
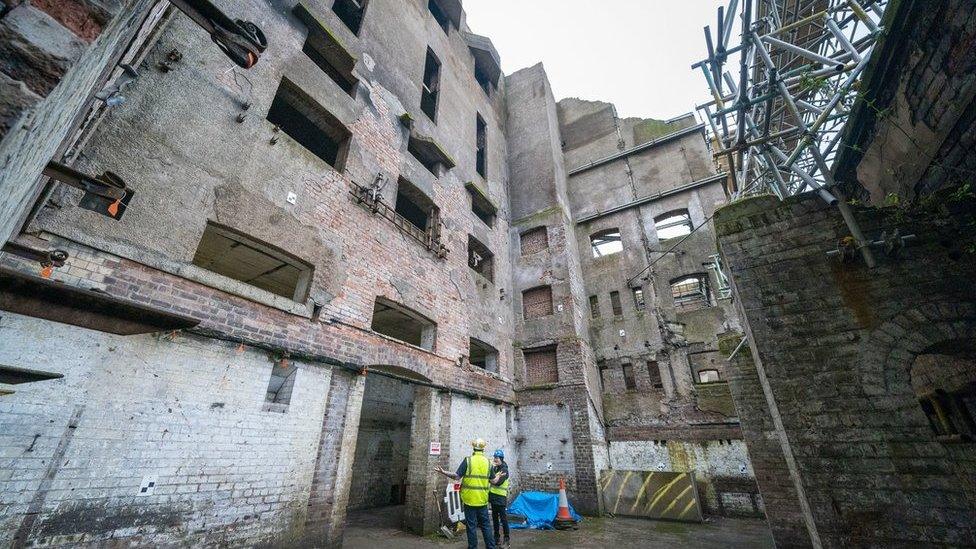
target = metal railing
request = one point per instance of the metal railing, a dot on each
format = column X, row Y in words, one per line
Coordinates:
column 373, row 201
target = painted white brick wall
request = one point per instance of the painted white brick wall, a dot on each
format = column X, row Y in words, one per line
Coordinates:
column 707, row 459
column 543, row 428
column 185, row 410
column 601, row 450
column 471, row 419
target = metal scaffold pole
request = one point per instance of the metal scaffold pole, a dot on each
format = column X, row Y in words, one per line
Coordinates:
column 779, row 125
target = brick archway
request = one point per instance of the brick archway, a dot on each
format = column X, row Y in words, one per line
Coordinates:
column 891, row 349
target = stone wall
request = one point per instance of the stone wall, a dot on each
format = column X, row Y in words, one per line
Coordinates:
column 834, row 344
column 784, row 513
column 54, row 55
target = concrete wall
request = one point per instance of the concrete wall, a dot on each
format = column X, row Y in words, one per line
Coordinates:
column 834, row 344
column 54, row 58
column 186, row 413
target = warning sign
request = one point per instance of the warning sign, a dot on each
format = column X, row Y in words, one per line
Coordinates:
column 435, row 448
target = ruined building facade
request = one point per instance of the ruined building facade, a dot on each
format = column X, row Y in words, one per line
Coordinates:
column 333, row 271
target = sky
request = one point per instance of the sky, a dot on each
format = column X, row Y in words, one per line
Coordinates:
column 636, row 54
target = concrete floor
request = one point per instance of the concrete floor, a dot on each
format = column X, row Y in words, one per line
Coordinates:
column 379, row 528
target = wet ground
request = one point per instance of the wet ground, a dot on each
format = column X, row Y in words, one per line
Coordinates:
column 380, row 528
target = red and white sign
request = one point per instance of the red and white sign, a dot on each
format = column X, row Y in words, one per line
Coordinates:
column 435, row 448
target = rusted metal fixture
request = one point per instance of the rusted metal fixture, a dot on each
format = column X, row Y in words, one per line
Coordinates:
column 242, row 41
column 105, row 194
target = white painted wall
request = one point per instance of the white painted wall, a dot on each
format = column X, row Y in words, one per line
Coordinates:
column 183, row 410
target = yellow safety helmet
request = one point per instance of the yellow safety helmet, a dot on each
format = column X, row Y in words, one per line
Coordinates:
column 479, row 444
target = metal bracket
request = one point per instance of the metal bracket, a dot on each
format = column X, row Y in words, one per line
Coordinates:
column 112, row 96
column 242, row 41
column 106, row 194
column 46, row 258
column 891, row 245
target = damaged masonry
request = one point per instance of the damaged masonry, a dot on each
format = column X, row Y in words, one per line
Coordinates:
column 266, row 267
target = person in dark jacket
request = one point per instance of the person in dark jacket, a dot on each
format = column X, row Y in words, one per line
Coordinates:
column 498, row 495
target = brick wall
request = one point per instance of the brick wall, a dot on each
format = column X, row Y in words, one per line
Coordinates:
column 783, row 512
column 537, row 302
column 834, row 343
column 183, row 411
column 540, row 366
column 533, row 241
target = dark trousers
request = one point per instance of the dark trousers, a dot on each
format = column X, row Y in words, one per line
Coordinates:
column 499, row 513
column 476, row 518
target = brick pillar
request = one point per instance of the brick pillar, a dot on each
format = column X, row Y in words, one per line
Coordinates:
column 431, row 417
column 780, row 499
column 329, row 495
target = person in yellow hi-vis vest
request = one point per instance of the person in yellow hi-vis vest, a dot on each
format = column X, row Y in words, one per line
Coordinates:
column 498, row 497
column 473, row 473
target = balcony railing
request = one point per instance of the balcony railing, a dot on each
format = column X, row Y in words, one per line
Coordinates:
column 430, row 238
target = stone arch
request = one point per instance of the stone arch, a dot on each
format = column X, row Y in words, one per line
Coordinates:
column 892, row 347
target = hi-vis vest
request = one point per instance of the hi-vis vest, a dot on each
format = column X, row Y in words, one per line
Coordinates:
column 500, row 490
column 474, row 484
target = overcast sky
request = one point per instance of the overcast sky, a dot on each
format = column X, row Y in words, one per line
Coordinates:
column 636, row 54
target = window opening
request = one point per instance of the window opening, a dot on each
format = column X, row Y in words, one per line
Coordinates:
column 690, row 293
column 483, row 80
column 601, row 368
column 654, row 374
column 537, row 302
column 480, row 204
column 606, row 242
column 403, row 324
column 639, row 299
column 615, row 303
column 708, row 376
column 541, row 365
column 480, row 259
column 630, row 382
column 482, row 355
column 673, row 224
column 351, row 13
column 280, row 385
column 323, row 49
column 413, row 206
column 428, row 161
column 481, row 144
column 309, row 124
column 594, row 306
column 534, row 240
column 440, row 16
column 431, row 86
column 231, row 254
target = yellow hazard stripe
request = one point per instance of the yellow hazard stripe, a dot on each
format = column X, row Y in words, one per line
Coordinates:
column 662, row 491
column 640, row 494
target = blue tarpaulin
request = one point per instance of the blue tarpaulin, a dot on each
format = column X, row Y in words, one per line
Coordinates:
column 539, row 510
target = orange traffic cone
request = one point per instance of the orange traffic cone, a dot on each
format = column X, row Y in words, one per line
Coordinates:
column 564, row 521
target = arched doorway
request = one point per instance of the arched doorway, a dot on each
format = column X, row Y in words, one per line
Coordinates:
column 943, row 378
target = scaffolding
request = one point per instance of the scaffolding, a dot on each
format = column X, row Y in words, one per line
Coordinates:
column 777, row 123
